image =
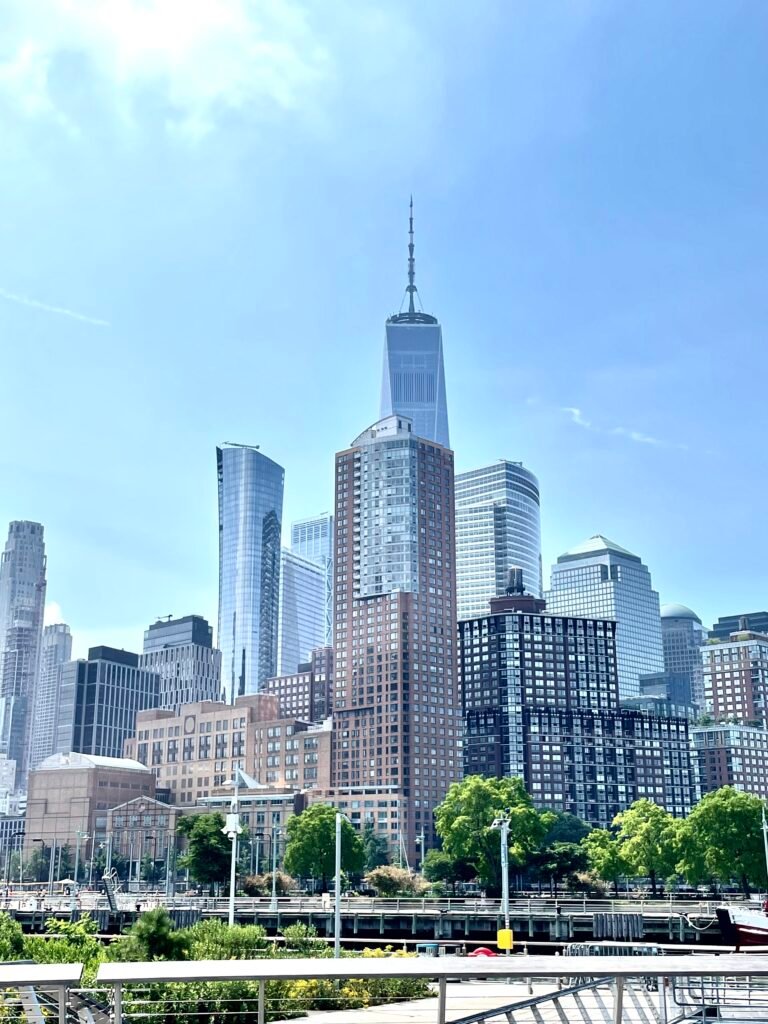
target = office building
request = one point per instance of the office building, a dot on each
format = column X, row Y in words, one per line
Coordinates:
column 301, row 620
column 22, row 603
column 682, row 637
column 731, row 755
column 497, row 526
column 99, row 699
column 413, row 384
column 541, row 702
column 56, row 651
column 397, row 714
column 250, row 521
column 181, row 653
column 308, row 692
column 600, row 580
column 755, row 622
column 195, row 752
column 72, row 793
column 736, row 678
column 313, row 539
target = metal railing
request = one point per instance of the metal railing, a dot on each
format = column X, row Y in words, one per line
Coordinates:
column 606, row 990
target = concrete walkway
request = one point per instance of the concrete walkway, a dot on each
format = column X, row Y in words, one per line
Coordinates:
column 462, row 999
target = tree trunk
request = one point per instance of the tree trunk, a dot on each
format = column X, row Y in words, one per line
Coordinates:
column 745, row 886
column 652, row 876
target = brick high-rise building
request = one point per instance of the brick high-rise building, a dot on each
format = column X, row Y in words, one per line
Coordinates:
column 736, row 678
column 397, row 714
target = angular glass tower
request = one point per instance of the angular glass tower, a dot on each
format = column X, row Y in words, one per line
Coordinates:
column 600, row 580
column 312, row 538
column 250, row 521
column 22, row 602
column 413, row 382
column 497, row 527
column 302, row 611
column 56, row 651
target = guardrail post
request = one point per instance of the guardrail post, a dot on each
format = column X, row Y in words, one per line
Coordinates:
column 663, row 1012
column 262, row 1002
column 63, row 1005
column 118, row 1003
column 441, row 994
column 618, row 1000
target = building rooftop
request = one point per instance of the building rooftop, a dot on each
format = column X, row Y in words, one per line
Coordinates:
column 678, row 611
column 60, row 762
column 597, row 545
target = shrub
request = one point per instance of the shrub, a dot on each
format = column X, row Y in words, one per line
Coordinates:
column 152, row 937
column 302, row 939
column 389, row 880
column 261, row 885
column 215, row 940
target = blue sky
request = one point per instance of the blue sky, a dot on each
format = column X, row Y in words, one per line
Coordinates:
column 204, row 229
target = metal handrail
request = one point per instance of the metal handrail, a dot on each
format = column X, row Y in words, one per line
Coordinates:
column 524, row 1004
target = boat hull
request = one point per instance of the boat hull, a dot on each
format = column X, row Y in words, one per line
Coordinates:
column 743, row 927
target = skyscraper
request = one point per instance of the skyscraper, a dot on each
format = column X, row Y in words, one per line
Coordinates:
column 56, row 651
column 600, row 580
column 397, row 714
column 736, row 678
column 757, row 622
column 250, row 520
column 497, row 527
column 313, row 538
column 22, row 603
column 682, row 636
column 413, row 383
column 99, row 700
column 181, row 653
column 301, row 625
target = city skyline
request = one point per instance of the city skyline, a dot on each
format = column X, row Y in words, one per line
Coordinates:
column 591, row 245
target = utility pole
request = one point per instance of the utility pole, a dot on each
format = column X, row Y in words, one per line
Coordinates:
column 273, row 901
column 337, row 891
column 502, row 823
column 233, row 828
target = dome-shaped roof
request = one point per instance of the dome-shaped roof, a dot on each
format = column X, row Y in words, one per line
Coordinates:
column 678, row 611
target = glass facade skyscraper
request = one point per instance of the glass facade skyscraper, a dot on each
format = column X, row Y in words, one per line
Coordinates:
column 181, row 653
column 250, row 521
column 600, row 580
column 302, row 611
column 497, row 527
column 56, row 651
column 312, row 538
column 682, row 636
column 22, row 603
column 413, row 383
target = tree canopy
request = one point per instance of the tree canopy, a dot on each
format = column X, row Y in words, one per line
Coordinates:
column 209, row 851
column 722, row 838
column 604, row 856
column 311, row 849
column 465, row 817
column 375, row 847
column 648, row 835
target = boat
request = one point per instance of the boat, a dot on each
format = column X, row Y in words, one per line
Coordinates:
column 742, row 926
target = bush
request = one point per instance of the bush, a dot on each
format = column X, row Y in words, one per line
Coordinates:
column 215, row 940
column 75, row 943
column 152, row 937
column 261, row 885
column 391, row 881
column 302, row 939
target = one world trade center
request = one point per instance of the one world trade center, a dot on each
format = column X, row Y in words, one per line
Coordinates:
column 413, row 383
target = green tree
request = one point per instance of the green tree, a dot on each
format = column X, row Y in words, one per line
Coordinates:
column 11, row 939
column 311, row 848
column 439, row 866
column 722, row 838
column 566, row 828
column 75, row 943
column 152, row 937
column 465, row 817
column 604, row 856
column 375, row 848
column 389, row 880
column 150, row 870
column 209, row 851
column 557, row 862
column 647, row 834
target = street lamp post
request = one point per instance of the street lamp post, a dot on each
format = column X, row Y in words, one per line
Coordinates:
column 42, row 855
column 273, row 901
column 502, row 823
column 233, row 828
column 79, row 835
column 337, row 891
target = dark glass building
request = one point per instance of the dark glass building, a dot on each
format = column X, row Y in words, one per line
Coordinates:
column 754, row 622
column 540, row 701
column 181, row 653
column 250, row 520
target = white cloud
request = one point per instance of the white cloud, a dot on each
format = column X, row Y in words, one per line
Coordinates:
column 52, row 614
column 24, row 300
column 577, row 416
column 206, row 57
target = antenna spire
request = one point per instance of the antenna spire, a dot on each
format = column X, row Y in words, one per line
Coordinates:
column 411, row 263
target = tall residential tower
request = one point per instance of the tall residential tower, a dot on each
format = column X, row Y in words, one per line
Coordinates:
column 22, row 603
column 56, row 651
column 413, row 383
column 312, row 538
column 301, row 626
column 497, row 527
column 250, row 520
column 181, row 653
column 397, row 714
